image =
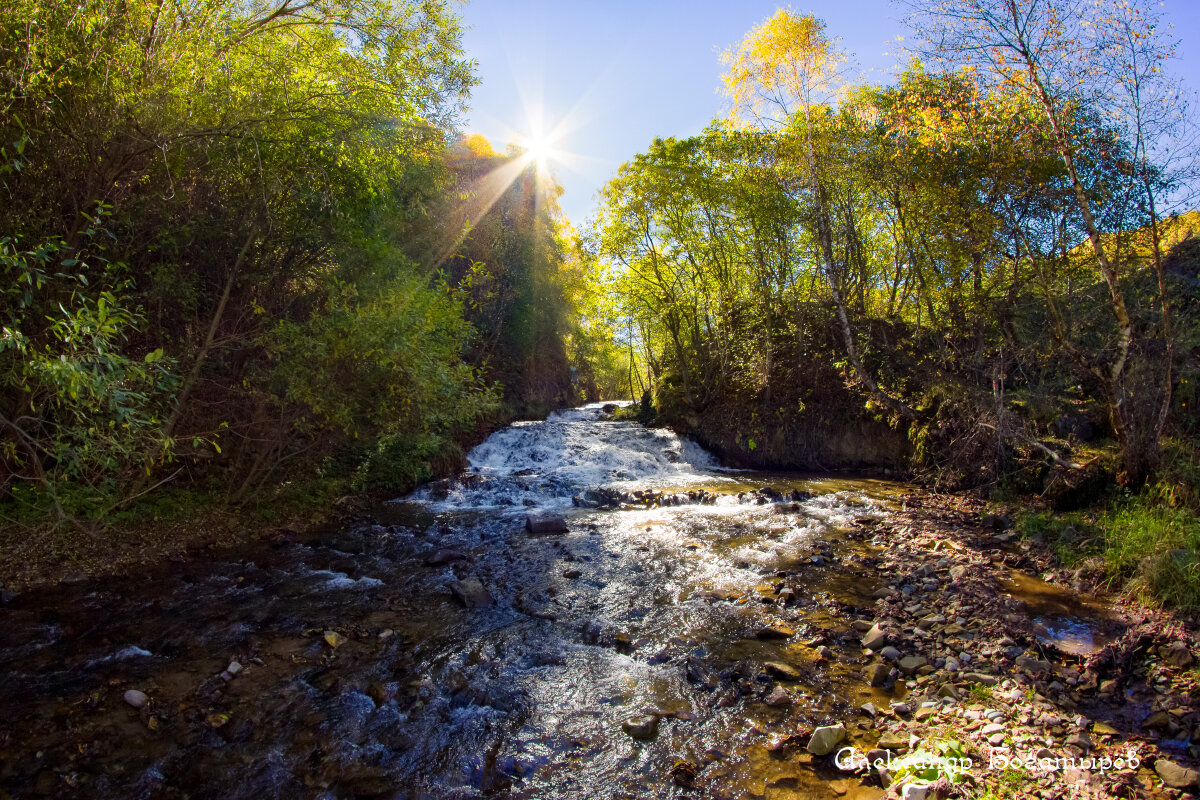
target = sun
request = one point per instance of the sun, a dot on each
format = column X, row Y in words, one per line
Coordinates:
column 539, row 149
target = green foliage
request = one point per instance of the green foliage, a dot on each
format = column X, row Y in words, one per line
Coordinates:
column 932, row 761
column 1156, row 547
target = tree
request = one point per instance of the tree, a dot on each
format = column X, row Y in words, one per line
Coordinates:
column 787, row 71
column 1077, row 61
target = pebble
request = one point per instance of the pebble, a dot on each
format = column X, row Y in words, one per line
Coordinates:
column 136, row 698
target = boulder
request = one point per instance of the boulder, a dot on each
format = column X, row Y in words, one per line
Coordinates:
column 877, row 674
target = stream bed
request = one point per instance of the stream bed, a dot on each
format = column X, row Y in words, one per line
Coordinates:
column 661, row 646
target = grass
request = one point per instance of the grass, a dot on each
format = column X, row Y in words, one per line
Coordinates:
column 1148, row 543
column 981, row 693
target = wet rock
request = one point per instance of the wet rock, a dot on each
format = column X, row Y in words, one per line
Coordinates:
column 1175, row 776
column 698, row 672
column 775, row 630
column 778, row 697
column 545, row 523
column 683, row 773
column 875, row 638
column 824, row 740
column 445, row 556
column 136, row 698
column 783, row 671
column 877, row 674
column 334, row 639
column 642, row 727
column 471, row 593
column 869, row 709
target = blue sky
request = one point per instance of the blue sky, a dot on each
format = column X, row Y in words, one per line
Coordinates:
column 618, row 73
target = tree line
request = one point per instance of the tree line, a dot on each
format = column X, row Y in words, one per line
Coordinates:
column 983, row 252
column 243, row 245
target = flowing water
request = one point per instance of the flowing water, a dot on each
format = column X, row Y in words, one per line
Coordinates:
column 637, row 614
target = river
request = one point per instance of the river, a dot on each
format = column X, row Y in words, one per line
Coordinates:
column 653, row 646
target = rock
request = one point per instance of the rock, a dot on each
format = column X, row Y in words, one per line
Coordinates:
column 1079, row 740
column 334, row 639
column 572, row 574
column 952, row 664
column 442, row 557
column 913, row 791
column 643, row 727
column 890, row 653
column 778, row 697
column 471, row 593
column 825, row 653
column 1177, row 655
column 1175, row 776
column 1033, row 665
column 957, row 572
column 877, row 674
column 893, row 741
column 1104, row 729
column 1159, row 720
column 825, row 739
column 775, row 630
column 780, row 670
column 869, row 709
column 234, row 668
column 875, row 638
column 910, row 664
column 981, row 678
column 698, row 672
column 545, row 523
column 1109, row 687
column 996, row 522
column 136, row 698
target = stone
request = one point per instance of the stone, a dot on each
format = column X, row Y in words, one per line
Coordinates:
column 778, row 697
column 981, row 678
column 1079, row 740
column 234, row 668
column 545, row 523
column 1159, row 720
column 136, row 698
column 957, row 572
column 893, row 741
column 869, row 709
column 996, row 522
column 914, row 791
column 698, row 672
column 890, row 653
column 877, row 674
column 1175, row 776
column 1104, row 729
column 825, row 739
column 446, row 556
column 875, row 638
column 642, row 727
column 334, row 639
column 572, row 574
column 775, row 630
column 780, row 670
column 1177, row 655
column 471, row 593
column 910, row 664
